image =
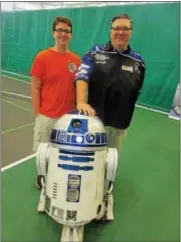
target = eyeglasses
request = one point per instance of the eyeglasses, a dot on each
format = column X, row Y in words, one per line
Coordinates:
column 60, row 30
column 124, row 29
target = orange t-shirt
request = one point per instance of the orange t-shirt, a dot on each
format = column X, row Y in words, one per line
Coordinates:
column 56, row 72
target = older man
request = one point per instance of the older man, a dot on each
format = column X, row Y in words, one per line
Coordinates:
column 112, row 75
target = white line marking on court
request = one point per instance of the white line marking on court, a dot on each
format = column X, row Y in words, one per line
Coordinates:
column 17, row 162
column 16, row 79
column 14, row 73
column 13, row 94
column 175, row 118
column 17, row 105
column 151, row 109
column 16, row 128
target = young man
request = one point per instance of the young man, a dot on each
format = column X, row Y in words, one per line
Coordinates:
column 112, row 74
column 52, row 88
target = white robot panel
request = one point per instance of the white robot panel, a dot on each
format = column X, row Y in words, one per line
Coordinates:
column 76, row 169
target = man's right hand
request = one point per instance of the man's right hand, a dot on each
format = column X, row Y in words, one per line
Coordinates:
column 86, row 109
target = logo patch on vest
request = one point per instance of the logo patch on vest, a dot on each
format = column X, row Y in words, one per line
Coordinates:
column 72, row 67
column 127, row 68
column 136, row 67
column 101, row 58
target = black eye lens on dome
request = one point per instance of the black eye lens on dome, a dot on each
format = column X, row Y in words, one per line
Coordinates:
column 76, row 124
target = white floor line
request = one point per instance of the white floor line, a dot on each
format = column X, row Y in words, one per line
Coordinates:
column 175, row 118
column 151, row 109
column 16, row 95
column 18, row 162
column 16, row 79
column 14, row 73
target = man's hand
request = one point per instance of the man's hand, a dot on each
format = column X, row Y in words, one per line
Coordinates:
column 86, row 109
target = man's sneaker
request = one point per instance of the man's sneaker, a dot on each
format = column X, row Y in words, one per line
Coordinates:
column 39, row 181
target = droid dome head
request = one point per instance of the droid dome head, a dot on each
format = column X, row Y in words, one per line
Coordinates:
column 75, row 130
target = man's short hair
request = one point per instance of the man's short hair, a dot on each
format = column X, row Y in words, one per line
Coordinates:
column 122, row 16
column 62, row 20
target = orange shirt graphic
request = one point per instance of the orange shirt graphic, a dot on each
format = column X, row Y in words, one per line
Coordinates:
column 56, row 72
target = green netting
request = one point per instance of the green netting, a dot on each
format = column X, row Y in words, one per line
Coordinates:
column 156, row 35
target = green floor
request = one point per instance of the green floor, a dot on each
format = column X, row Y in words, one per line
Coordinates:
column 146, row 191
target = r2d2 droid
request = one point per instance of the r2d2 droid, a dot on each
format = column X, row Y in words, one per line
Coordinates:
column 79, row 171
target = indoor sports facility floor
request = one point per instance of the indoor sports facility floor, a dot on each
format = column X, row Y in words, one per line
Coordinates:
column 146, row 190
column 16, row 122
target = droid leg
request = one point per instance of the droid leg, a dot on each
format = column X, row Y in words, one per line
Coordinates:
column 112, row 163
column 73, row 234
column 107, row 213
column 42, row 164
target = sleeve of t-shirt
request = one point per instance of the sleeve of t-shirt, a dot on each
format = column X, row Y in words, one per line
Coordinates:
column 37, row 68
column 79, row 62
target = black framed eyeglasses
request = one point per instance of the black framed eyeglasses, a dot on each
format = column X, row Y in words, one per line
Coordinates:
column 60, row 30
column 124, row 29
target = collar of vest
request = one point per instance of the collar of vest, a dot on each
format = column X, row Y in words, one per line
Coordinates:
column 109, row 47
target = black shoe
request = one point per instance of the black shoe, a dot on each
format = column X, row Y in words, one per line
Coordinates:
column 38, row 181
column 102, row 220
